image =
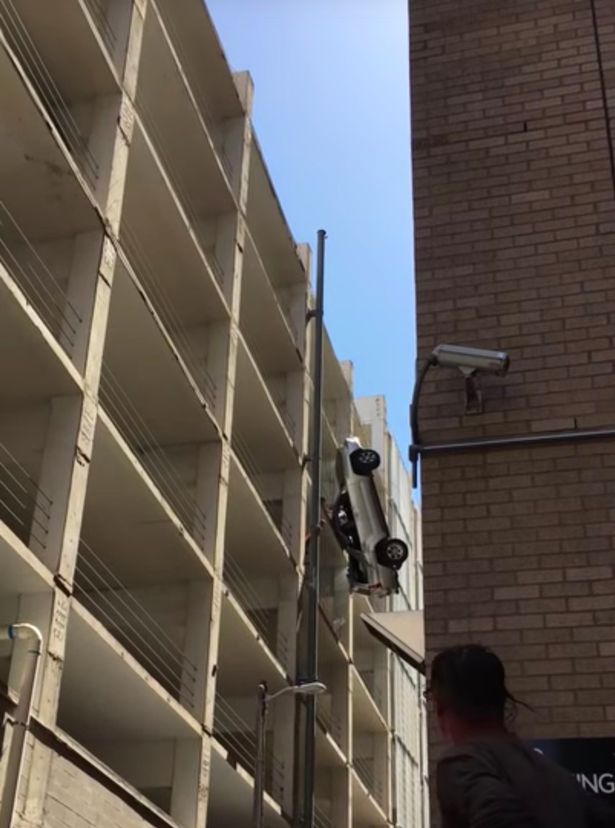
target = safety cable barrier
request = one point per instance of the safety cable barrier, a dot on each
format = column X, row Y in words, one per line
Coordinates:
column 24, row 506
column 106, row 596
column 238, row 737
column 259, row 614
column 164, row 306
column 254, row 472
column 365, row 769
column 321, row 819
column 167, row 157
column 152, row 456
column 37, row 281
column 329, row 722
column 24, row 46
column 99, row 15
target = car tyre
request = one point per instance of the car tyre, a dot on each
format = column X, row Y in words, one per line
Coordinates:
column 392, row 552
column 364, row 461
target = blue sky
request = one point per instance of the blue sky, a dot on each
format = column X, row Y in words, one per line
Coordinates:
column 331, row 110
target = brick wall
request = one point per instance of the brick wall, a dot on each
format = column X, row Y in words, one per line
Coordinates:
column 513, row 116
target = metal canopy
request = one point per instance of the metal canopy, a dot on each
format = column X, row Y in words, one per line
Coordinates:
column 401, row 632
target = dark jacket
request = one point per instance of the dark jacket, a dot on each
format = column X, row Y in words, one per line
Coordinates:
column 498, row 782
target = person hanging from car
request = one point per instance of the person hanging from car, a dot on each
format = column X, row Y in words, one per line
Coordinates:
column 488, row 778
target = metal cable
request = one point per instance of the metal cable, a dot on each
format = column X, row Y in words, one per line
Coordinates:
column 46, row 82
column 161, row 671
column 248, row 597
column 177, row 179
column 24, row 506
column 198, row 100
column 203, row 108
column 104, row 26
column 32, row 498
column 254, row 472
column 231, row 718
column 365, row 770
column 240, row 584
column 24, row 525
column 157, row 669
column 158, row 463
column 24, row 500
column 145, row 273
column 26, row 475
column 42, row 287
column 321, row 819
column 330, row 722
column 227, row 709
column 284, row 312
column 178, row 655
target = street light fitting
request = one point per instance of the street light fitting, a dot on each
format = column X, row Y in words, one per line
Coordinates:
column 264, row 699
column 308, row 688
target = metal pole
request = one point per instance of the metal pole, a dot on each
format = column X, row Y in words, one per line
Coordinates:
column 313, row 561
column 422, row 751
column 259, row 768
column 21, row 717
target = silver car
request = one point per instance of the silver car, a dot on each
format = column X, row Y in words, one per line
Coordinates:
column 360, row 523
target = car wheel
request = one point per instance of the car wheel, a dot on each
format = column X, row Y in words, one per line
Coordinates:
column 364, row 461
column 392, row 553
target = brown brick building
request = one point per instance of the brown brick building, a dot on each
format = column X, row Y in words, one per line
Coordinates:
column 514, row 195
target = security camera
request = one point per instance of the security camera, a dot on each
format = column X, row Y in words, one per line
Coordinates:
column 471, row 360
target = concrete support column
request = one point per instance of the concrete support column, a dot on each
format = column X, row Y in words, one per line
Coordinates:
column 119, row 17
column 56, row 479
column 135, row 43
column 190, row 782
column 283, row 750
column 215, row 347
column 293, row 401
column 235, row 259
column 196, row 644
column 287, row 622
column 72, row 425
column 292, row 502
column 382, row 681
column 209, row 458
column 102, row 113
column 382, row 759
column 342, row 606
column 237, row 140
column 340, row 688
column 214, row 619
column 293, row 301
column 341, row 798
column 81, row 293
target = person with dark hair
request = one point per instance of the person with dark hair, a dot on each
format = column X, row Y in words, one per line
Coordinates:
column 489, row 778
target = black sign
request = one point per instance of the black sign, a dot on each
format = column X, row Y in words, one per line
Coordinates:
column 592, row 761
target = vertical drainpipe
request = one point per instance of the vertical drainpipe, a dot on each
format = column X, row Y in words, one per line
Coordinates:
column 394, row 738
column 21, row 718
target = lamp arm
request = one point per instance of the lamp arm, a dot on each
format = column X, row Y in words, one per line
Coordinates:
column 273, row 696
